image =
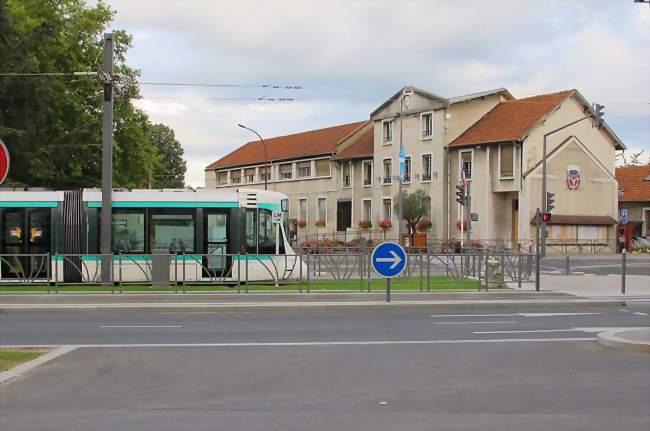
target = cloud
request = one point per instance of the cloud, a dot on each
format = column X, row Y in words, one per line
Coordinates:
column 351, row 56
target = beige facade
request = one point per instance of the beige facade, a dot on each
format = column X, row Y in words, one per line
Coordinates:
column 505, row 175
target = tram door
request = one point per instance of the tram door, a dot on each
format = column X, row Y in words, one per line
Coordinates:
column 217, row 263
column 25, row 232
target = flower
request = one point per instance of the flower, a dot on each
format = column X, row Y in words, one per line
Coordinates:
column 385, row 224
column 365, row 224
column 302, row 223
column 424, row 224
column 320, row 223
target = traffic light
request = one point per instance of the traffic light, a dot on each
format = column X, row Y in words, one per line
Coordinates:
column 598, row 114
column 550, row 201
column 460, row 195
column 546, row 217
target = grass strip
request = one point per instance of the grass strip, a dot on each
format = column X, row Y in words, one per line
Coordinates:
column 9, row 358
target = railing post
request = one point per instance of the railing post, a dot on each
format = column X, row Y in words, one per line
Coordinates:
column 238, row 272
column 120, row 271
column 184, row 265
column 361, row 261
column 246, row 283
column 48, row 271
column 519, row 270
column 308, row 278
column 428, row 272
column 56, row 272
column 300, row 270
column 480, row 261
column 421, row 274
column 623, row 270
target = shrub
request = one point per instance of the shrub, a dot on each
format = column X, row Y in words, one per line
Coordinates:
column 365, row 224
column 320, row 223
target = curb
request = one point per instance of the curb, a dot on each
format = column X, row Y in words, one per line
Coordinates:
column 19, row 370
column 612, row 339
column 320, row 304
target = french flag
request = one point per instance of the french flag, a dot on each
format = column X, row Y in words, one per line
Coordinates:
column 463, row 180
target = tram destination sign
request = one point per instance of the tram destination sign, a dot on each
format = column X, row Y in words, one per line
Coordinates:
column 4, row 162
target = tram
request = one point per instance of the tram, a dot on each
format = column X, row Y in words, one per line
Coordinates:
column 227, row 235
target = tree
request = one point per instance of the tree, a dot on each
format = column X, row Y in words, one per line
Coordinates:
column 416, row 206
column 52, row 124
column 169, row 171
column 635, row 159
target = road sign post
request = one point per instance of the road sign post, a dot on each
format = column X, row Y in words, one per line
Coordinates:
column 388, row 260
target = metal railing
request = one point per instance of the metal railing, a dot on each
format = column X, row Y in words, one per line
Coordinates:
column 482, row 269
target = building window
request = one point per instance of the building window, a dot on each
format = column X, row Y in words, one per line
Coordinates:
column 323, row 168
column 367, row 209
column 235, row 176
column 427, row 125
column 466, row 163
column 426, row 167
column 249, row 175
column 387, row 127
column 388, row 171
column 302, row 205
column 322, row 209
column 222, row 178
column 286, row 171
column 304, row 169
column 367, row 173
column 506, row 161
column 347, row 174
column 128, row 231
column 407, row 169
column 265, row 176
column 171, row 232
column 388, row 208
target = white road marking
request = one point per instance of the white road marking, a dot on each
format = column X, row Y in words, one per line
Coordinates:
column 609, row 328
column 513, row 314
column 525, row 332
column 467, row 323
column 555, row 314
column 640, row 313
column 323, row 343
column 623, row 310
column 141, row 326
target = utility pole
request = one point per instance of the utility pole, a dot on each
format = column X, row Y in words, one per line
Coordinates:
column 404, row 100
column 107, row 162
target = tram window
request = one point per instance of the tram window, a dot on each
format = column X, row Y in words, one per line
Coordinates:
column 268, row 233
column 171, row 232
column 128, row 231
column 251, row 230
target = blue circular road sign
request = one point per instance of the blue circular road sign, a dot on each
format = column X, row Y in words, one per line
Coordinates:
column 388, row 259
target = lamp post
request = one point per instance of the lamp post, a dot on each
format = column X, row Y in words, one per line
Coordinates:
column 266, row 155
column 597, row 114
column 405, row 99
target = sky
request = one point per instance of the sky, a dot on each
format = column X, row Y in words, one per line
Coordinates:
column 350, row 56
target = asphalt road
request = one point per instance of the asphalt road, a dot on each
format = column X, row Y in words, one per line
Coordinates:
column 418, row 368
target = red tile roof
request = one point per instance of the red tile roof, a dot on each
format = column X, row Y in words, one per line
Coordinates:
column 632, row 183
column 305, row 144
column 362, row 148
column 510, row 120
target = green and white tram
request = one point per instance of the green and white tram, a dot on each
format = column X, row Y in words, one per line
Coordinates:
column 224, row 235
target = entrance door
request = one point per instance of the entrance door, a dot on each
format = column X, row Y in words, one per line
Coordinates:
column 217, row 264
column 343, row 215
column 515, row 223
column 25, row 231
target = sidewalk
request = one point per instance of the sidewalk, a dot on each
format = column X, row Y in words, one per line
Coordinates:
column 637, row 340
column 596, row 286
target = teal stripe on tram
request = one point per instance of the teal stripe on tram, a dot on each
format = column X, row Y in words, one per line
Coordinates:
column 269, row 206
column 126, row 204
column 28, row 204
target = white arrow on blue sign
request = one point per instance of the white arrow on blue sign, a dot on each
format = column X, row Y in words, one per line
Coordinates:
column 388, row 259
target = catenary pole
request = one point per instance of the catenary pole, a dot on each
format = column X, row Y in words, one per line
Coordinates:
column 107, row 161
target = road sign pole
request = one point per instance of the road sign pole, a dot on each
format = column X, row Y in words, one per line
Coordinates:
column 388, row 290
column 107, row 162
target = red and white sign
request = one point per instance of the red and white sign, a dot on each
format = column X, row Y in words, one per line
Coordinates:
column 4, row 162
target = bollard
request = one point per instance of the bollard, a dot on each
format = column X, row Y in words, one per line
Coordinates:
column 624, row 257
column 567, row 268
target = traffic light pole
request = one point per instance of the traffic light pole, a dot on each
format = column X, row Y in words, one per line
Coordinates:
column 468, row 201
column 542, row 236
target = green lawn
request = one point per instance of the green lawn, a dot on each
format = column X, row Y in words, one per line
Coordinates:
column 409, row 283
column 11, row 358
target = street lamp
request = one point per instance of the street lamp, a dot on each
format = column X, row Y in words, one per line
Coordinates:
column 266, row 155
column 404, row 102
